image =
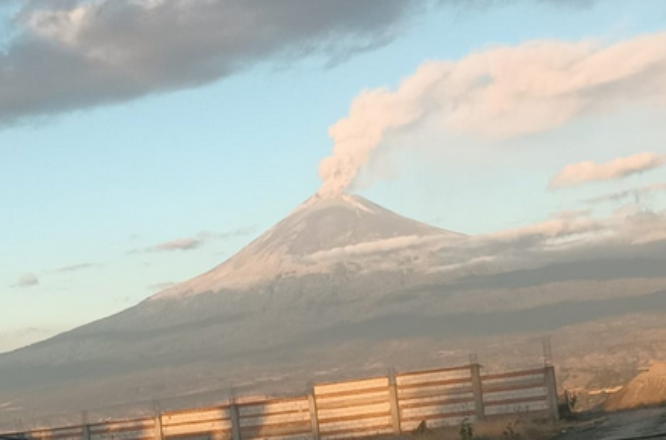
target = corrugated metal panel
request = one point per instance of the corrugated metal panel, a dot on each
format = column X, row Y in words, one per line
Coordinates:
column 213, row 422
column 419, row 377
column 274, row 407
column 517, row 407
column 525, row 393
column 343, row 388
column 142, row 429
column 276, row 420
column 73, row 433
column 514, row 392
column 363, row 410
column 353, row 409
column 186, row 430
column 438, row 398
column 194, row 416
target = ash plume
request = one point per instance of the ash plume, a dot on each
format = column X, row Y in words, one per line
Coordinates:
column 500, row 93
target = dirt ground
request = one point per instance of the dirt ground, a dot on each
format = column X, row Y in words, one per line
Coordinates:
column 625, row 425
column 630, row 424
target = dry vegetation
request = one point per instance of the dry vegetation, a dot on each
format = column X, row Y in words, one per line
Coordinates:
column 500, row 428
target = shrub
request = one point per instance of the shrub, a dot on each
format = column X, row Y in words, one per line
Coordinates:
column 466, row 430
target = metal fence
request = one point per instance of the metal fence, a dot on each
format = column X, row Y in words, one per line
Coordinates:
column 390, row 404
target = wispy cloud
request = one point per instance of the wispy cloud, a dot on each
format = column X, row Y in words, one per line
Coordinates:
column 181, row 244
column 27, row 280
column 160, row 286
column 240, row 232
column 635, row 193
column 77, row 267
column 500, row 93
column 192, row 243
column 619, row 168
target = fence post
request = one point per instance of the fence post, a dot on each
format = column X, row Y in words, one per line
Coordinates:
column 86, row 432
column 551, row 392
column 235, row 421
column 477, row 389
column 85, row 428
column 395, row 407
column 314, row 416
column 159, row 432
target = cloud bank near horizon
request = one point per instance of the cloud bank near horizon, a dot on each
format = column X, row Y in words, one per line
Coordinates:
column 500, row 93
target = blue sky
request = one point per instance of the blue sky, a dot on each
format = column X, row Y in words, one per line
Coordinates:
column 87, row 188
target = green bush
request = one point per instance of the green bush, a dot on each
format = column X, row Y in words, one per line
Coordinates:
column 466, row 430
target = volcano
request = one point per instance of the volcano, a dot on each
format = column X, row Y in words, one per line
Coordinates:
column 329, row 252
column 317, row 235
column 341, row 287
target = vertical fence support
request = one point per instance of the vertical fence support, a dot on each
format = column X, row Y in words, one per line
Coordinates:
column 159, row 432
column 551, row 392
column 86, row 432
column 235, row 421
column 393, row 399
column 314, row 417
column 477, row 389
column 85, row 426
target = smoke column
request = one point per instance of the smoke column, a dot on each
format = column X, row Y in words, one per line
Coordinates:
column 500, row 93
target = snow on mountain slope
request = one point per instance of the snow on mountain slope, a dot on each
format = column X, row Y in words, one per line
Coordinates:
column 313, row 238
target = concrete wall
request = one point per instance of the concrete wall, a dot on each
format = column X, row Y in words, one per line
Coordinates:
column 361, row 408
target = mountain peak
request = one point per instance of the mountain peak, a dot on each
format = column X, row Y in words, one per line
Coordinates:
column 344, row 201
column 320, row 232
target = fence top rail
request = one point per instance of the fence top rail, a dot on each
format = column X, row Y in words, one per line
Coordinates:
column 514, row 373
column 138, row 421
column 59, row 428
column 352, row 381
column 436, row 383
column 220, row 406
column 276, row 401
column 433, row 371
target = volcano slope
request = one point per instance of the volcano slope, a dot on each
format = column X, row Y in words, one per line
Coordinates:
column 340, row 288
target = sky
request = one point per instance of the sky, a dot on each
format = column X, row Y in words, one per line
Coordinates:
column 143, row 142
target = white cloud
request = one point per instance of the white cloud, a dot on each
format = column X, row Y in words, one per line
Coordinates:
column 619, row 168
